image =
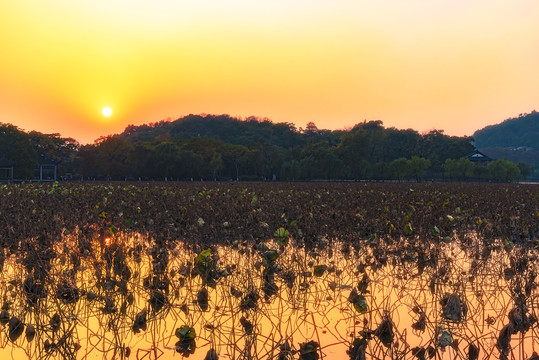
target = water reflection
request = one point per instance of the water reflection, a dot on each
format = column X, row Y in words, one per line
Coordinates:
column 140, row 298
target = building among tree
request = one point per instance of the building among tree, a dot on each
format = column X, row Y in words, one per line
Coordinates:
column 478, row 157
column 6, row 169
column 47, row 168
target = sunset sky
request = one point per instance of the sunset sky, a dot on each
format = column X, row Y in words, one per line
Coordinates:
column 456, row 65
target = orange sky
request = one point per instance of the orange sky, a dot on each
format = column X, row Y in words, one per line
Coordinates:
column 455, row 65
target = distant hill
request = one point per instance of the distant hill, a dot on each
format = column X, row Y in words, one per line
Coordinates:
column 515, row 139
column 219, row 127
column 223, row 147
column 522, row 131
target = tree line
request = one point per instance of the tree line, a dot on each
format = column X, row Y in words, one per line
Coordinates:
column 24, row 150
column 211, row 147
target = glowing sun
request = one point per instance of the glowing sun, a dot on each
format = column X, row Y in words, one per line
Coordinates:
column 106, row 111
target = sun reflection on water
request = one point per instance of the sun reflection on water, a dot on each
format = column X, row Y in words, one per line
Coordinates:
column 107, row 241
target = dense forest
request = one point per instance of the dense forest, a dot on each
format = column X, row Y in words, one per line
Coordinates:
column 220, row 147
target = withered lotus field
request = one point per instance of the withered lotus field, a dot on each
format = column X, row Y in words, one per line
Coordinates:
column 269, row 271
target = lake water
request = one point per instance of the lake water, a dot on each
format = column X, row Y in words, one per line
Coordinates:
column 129, row 297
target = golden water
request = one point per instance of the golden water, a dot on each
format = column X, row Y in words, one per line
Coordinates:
column 314, row 308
